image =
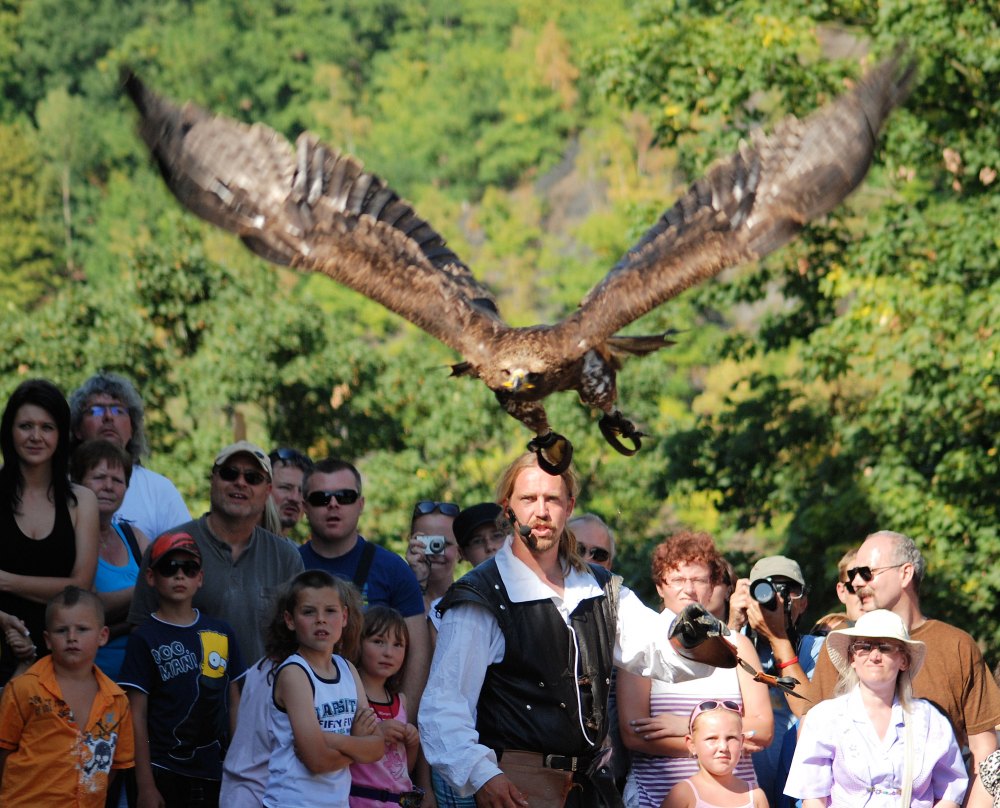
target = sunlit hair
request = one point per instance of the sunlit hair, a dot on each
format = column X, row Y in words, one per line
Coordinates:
column 45, row 395
column 269, row 519
column 330, row 465
column 73, row 596
column 905, row 551
column 121, row 389
column 904, row 681
column 387, row 621
column 280, row 641
column 596, row 521
column 845, row 563
column 88, row 456
column 686, row 547
column 505, row 488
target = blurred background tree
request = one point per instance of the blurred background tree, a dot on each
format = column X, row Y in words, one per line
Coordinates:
column 848, row 383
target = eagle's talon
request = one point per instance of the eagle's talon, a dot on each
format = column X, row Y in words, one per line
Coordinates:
column 553, row 452
column 615, row 426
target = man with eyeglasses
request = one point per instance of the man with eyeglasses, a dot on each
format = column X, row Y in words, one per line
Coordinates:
column 108, row 406
column 244, row 565
column 334, row 503
column 594, row 540
column 770, row 603
column 887, row 574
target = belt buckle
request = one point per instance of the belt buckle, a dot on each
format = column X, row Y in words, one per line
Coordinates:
column 550, row 762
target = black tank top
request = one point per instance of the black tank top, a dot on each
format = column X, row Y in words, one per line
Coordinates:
column 52, row 556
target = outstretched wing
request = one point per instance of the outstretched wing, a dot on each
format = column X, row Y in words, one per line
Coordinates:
column 312, row 208
column 749, row 204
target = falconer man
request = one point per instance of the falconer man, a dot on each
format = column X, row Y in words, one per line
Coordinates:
column 516, row 703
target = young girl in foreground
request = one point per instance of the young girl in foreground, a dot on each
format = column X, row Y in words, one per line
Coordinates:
column 383, row 657
column 319, row 720
column 716, row 739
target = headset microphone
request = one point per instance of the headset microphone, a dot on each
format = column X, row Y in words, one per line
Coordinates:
column 523, row 530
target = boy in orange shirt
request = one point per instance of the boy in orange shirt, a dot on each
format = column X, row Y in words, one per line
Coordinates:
column 65, row 727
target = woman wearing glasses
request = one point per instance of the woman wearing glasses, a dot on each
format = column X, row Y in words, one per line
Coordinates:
column 48, row 526
column 876, row 745
column 653, row 716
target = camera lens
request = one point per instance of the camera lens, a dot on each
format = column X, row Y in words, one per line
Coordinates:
column 437, row 545
column 764, row 593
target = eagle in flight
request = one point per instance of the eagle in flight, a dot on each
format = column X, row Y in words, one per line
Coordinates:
column 313, row 208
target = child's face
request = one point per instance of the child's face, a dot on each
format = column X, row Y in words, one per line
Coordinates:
column 74, row 634
column 382, row 655
column 176, row 577
column 318, row 620
column 717, row 741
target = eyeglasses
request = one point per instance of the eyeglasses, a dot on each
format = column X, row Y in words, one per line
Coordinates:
column 429, row 506
column 231, row 474
column 99, row 410
column 168, row 569
column 678, row 582
column 867, row 575
column 708, row 706
column 344, row 496
column 596, row 554
column 865, row 647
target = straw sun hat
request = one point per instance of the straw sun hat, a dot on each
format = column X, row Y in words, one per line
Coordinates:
column 879, row 624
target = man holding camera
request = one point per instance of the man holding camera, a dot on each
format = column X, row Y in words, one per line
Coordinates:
column 334, row 504
column 769, row 603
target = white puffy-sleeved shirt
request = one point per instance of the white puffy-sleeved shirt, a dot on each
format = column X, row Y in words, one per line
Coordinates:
column 470, row 640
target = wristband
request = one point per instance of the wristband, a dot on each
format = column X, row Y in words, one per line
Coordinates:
column 782, row 665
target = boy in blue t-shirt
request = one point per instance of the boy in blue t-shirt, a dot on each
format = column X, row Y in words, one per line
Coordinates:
column 180, row 672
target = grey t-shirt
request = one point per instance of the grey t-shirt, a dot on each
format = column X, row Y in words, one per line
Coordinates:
column 243, row 594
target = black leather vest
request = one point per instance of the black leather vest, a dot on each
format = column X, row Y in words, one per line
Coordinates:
column 549, row 694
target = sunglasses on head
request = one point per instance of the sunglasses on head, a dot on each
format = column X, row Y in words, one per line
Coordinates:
column 429, row 506
column 708, row 706
column 231, row 474
column 344, row 496
column 598, row 554
column 867, row 575
column 169, row 568
column 865, row 647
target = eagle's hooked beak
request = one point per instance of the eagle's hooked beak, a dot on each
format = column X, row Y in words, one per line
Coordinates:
column 518, row 381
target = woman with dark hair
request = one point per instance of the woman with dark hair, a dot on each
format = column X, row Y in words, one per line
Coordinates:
column 48, row 525
column 653, row 716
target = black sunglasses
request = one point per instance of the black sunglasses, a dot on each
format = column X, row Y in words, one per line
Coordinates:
column 867, row 575
column 865, row 647
column 231, row 474
column 169, row 568
column 344, row 496
column 598, row 554
column 428, row 506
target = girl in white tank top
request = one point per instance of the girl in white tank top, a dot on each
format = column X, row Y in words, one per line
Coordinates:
column 715, row 738
column 317, row 697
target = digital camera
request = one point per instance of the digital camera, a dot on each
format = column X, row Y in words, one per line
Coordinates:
column 433, row 545
column 766, row 593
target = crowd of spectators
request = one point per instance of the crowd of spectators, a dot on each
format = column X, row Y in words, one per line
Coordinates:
column 536, row 677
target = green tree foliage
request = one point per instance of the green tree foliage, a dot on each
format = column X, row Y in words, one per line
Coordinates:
column 877, row 404
column 847, row 383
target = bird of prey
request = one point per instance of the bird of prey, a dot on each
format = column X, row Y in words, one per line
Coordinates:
column 312, row 208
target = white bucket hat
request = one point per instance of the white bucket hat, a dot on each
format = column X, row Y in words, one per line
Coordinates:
column 879, row 624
